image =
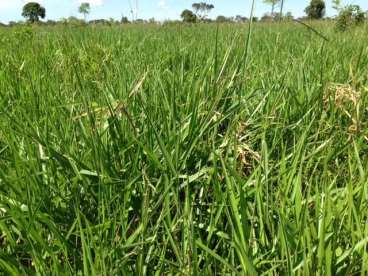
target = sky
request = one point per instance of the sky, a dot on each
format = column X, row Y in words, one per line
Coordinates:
column 10, row 10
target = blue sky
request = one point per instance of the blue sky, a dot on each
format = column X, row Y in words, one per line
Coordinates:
column 160, row 9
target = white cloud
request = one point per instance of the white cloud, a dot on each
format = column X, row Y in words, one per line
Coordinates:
column 163, row 4
column 92, row 2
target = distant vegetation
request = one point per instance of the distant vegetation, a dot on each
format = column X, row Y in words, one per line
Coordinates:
column 348, row 16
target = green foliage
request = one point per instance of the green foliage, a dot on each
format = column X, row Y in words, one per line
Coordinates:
column 222, row 19
column 170, row 150
column 188, row 16
column 124, row 20
column 316, row 9
column 336, row 4
column 202, row 9
column 241, row 19
column 33, row 11
column 273, row 4
column 289, row 16
column 75, row 22
column 85, row 9
column 349, row 16
column 267, row 17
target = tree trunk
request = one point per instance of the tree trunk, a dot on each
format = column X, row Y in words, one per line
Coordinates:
column 273, row 9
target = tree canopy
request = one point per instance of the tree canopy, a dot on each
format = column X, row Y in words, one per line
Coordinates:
column 202, row 9
column 273, row 4
column 188, row 16
column 33, row 11
column 85, row 9
column 316, row 9
column 240, row 18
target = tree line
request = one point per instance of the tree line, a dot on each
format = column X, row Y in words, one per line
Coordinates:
column 348, row 15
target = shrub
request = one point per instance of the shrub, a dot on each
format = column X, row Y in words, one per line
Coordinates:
column 349, row 16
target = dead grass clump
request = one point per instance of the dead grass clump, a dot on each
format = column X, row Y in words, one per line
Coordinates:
column 245, row 154
column 342, row 96
column 347, row 100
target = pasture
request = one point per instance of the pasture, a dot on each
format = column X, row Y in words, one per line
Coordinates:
column 184, row 150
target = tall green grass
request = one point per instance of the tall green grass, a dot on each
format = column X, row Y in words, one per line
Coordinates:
column 153, row 150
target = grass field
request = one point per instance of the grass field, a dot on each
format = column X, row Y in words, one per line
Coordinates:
column 174, row 150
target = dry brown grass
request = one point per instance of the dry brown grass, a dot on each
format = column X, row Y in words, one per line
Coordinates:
column 345, row 99
column 245, row 154
column 342, row 96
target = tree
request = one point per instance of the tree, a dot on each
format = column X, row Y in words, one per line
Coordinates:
column 76, row 22
column 188, row 16
column 202, row 9
column 240, row 18
column 63, row 21
column 85, row 9
column 289, row 16
column 139, row 21
column 316, row 9
column 112, row 21
column 124, row 20
column 267, row 17
column 273, row 4
column 350, row 15
column 278, row 17
column 33, row 11
column 102, row 22
column 51, row 22
column 222, row 19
